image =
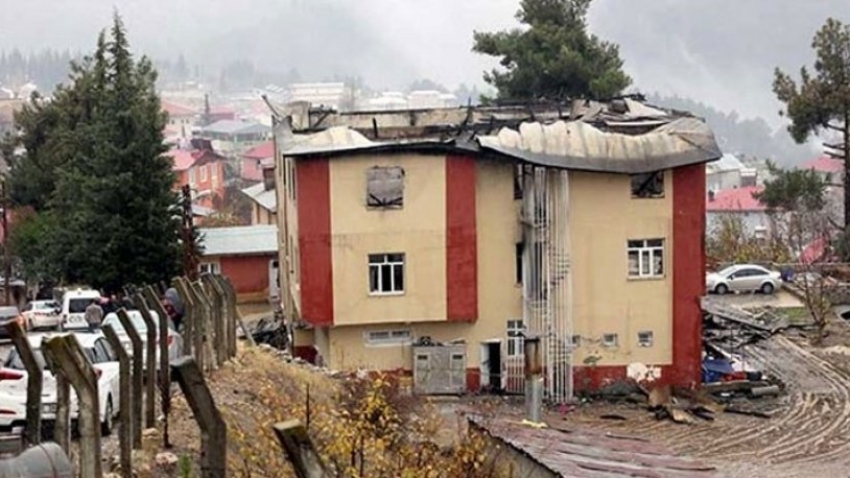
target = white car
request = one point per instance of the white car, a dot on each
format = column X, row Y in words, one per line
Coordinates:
column 13, row 384
column 74, row 303
column 743, row 278
column 175, row 340
column 42, row 314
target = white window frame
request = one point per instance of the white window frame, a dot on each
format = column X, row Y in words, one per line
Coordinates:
column 516, row 338
column 388, row 337
column 610, row 340
column 211, row 267
column 213, row 171
column 645, row 338
column 193, row 177
column 650, row 258
column 203, row 172
column 376, row 263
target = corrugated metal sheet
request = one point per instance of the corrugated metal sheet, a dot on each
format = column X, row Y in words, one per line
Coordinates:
column 265, row 198
column 241, row 240
column 592, row 454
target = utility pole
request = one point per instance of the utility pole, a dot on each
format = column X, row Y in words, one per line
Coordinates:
column 190, row 259
column 7, row 263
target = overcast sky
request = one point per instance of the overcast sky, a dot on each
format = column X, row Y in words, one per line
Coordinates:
column 721, row 52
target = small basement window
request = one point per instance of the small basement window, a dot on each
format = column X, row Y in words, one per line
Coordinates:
column 648, row 185
column 645, row 338
column 575, row 341
column 609, row 340
column 385, row 187
column 387, row 337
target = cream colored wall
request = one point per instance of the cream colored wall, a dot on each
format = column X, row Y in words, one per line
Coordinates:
column 261, row 215
column 287, row 222
column 418, row 230
column 603, row 218
column 499, row 298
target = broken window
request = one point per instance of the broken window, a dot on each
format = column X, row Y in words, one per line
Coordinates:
column 646, row 258
column 645, row 338
column 386, row 274
column 648, row 185
column 385, row 187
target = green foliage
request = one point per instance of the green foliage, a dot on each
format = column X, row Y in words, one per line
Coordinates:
column 554, row 58
column 94, row 164
column 793, row 190
column 30, row 239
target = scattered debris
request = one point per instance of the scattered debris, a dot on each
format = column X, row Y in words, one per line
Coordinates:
column 272, row 331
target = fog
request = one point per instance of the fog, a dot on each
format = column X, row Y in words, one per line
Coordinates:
column 721, row 52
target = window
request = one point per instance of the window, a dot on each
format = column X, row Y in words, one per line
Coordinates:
column 385, row 187
column 386, row 274
column 646, row 258
column 575, row 341
column 516, row 329
column 520, row 247
column 214, row 172
column 609, row 340
column 387, row 337
column 192, row 177
column 645, row 338
column 210, row 267
column 203, row 173
column 648, row 185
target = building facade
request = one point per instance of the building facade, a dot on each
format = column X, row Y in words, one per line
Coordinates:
column 481, row 244
column 247, row 255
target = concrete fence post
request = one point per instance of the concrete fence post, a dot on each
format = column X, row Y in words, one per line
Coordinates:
column 32, row 431
column 189, row 315
column 125, row 400
column 164, row 372
column 213, row 428
column 219, row 317
column 201, row 306
column 206, row 320
column 238, row 315
column 72, row 362
column 230, row 317
column 299, row 448
column 62, row 426
column 150, row 360
column 138, row 371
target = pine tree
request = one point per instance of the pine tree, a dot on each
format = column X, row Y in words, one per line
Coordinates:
column 106, row 183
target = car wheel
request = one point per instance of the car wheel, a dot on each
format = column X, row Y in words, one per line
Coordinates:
column 721, row 289
column 106, row 426
column 767, row 288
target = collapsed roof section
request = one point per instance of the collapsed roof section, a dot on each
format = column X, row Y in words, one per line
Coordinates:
column 623, row 136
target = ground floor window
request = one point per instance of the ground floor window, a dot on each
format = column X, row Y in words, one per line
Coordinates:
column 210, row 267
column 388, row 337
column 516, row 329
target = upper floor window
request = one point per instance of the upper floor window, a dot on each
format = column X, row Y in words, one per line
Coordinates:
column 203, row 173
column 385, row 187
column 386, row 274
column 648, row 185
column 646, row 258
column 192, row 179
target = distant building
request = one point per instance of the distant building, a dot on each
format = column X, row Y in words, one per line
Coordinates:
column 7, row 115
column 203, row 170
column 328, row 95
column 232, row 137
column 729, row 172
column 254, row 159
column 264, row 203
column 245, row 254
column 826, row 167
column 181, row 119
column 738, row 202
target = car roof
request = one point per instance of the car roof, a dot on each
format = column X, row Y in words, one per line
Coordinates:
column 84, row 293
column 8, row 310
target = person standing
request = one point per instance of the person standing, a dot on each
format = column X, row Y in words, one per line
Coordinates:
column 94, row 315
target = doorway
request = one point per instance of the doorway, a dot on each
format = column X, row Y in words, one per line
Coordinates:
column 491, row 367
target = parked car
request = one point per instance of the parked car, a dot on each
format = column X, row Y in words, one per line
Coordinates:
column 175, row 340
column 42, row 314
column 743, row 278
column 13, row 384
column 8, row 313
column 74, row 303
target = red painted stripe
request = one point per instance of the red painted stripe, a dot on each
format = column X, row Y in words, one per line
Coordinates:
column 314, row 241
column 688, row 273
column 461, row 240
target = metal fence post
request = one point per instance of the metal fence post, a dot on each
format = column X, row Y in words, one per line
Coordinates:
column 32, row 431
column 124, row 398
column 72, row 362
column 150, row 361
column 138, row 371
column 213, row 428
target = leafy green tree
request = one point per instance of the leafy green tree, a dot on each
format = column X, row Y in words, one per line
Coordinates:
column 821, row 101
column 793, row 190
column 555, row 57
column 104, row 181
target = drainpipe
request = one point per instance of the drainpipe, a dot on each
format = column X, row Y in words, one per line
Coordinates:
column 533, row 379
